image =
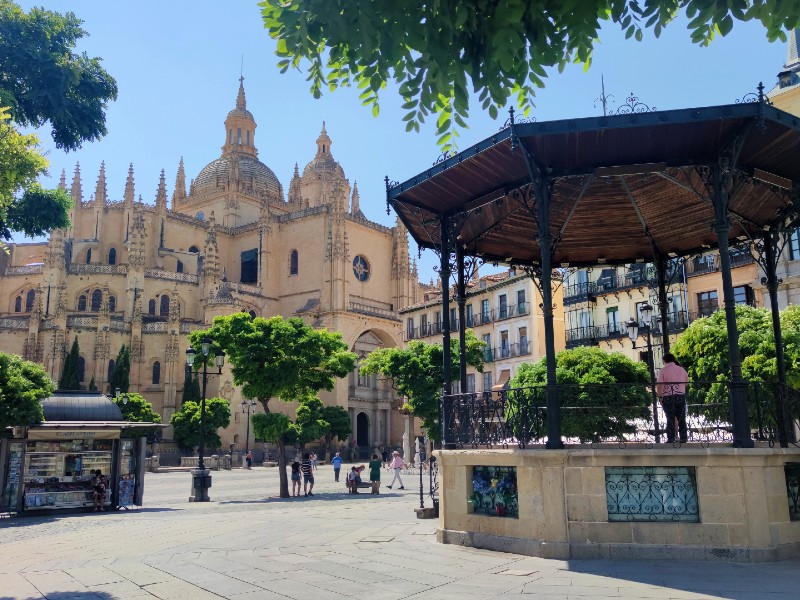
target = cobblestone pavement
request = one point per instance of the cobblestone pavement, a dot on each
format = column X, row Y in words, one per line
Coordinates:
column 247, row 544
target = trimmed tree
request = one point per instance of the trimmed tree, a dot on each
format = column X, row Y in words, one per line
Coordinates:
column 186, row 423
column 120, row 379
column 191, row 387
column 598, row 412
column 417, row 373
column 70, row 378
column 439, row 53
column 339, row 425
column 23, row 386
column 136, row 409
column 277, row 358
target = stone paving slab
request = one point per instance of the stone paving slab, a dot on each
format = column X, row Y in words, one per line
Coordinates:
column 250, row 545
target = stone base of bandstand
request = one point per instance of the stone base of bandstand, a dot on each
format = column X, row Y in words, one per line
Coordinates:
column 742, row 498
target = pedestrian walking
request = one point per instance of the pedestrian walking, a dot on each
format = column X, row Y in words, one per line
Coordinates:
column 313, row 461
column 384, row 457
column 397, row 464
column 295, row 478
column 249, row 460
column 99, row 483
column 671, row 388
column 375, row 474
column 308, row 474
column 337, row 466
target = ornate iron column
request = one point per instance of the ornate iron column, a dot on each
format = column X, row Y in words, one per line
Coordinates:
column 444, row 273
column 721, row 184
column 661, row 280
column 461, row 301
column 769, row 262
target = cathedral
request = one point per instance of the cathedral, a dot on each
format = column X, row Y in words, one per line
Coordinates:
column 146, row 275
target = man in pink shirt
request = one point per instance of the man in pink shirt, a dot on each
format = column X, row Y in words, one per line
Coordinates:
column 671, row 388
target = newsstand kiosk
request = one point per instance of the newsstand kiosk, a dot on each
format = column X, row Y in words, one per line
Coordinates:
column 50, row 466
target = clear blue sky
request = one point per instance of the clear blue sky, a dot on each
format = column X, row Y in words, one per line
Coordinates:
column 177, row 65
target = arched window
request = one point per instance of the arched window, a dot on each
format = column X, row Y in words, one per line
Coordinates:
column 111, row 367
column 97, row 299
column 18, row 304
column 194, row 249
column 151, row 307
column 82, row 303
column 156, row 373
column 293, row 263
column 179, row 267
column 89, row 256
column 81, row 368
column 164, row 309
column 112, row 256
column 29, row 298
column 112, row 303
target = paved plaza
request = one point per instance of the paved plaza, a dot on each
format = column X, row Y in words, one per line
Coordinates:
column 247, row 544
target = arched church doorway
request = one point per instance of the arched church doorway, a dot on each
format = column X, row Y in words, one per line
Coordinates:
column 362, row 430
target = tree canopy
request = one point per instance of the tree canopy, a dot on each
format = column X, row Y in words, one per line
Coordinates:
column 600, row 411
column 23, row 386
column 417, row 373
column 186, row 423
column 136, row 409
column 338, row 421
column 440, row 52
column 43, row 80
column 703, row 348
column 285, row 359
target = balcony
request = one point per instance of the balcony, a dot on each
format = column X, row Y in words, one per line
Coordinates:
column 510, row 310
column 581, row 336
column 579, row 292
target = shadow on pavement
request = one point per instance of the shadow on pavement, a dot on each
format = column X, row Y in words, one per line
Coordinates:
column 327, row 496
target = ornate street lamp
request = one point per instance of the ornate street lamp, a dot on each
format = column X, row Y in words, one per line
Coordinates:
column 646, row 310
column 201, row 480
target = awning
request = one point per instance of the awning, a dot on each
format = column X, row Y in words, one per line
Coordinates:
column 502, row 381
column 80, row 406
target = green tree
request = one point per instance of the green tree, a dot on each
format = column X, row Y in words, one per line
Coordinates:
column 440, row 52
column 339, row 425
column 120, row 378
column 186, row 423
column 136, row 409
column 191, row 387
column 594, row 408
column 417, row 373
column 278, row 358
column 23, row 386
column 70, row 378
column 43, row 80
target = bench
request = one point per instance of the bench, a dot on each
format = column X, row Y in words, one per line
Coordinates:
column 364, row 485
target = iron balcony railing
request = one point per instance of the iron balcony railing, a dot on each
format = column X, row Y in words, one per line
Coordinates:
column 619, row 414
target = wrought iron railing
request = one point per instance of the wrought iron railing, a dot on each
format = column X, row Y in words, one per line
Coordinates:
column 613, row 413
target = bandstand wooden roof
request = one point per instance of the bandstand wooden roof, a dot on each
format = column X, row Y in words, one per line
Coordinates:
column 623, row 187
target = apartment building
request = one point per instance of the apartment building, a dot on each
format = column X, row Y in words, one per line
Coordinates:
column 503, row 310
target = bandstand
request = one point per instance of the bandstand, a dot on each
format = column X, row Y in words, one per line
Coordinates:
column 655, row 187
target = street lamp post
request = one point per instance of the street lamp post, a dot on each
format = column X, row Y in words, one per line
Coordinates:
column 633, row 333
column 201, row 480
column 247, row 406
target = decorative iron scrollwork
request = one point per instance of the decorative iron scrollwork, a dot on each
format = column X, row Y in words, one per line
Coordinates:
column 633, row 105
column 443, row 157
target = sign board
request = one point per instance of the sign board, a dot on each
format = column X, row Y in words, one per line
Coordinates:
column 73, row 434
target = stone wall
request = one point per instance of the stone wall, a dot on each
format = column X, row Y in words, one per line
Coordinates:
column 563, row 507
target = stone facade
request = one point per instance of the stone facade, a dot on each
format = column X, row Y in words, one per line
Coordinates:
column 146, row 275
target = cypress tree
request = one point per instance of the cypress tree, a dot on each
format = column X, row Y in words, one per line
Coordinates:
column 69, row 375
column 122, row 371
column 92, row 385
column 191, row 387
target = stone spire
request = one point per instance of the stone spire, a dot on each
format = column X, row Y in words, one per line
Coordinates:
column 240, row 127
column 211, row 252
column 295, row 197
column 401, row 261
column 100, row 190
column 62, row 182
column 355, row 208
column 323, row 143
column 161, row 194
column 129, row 192
column 792, row 57
column 76, row 191
column 136, row 239
column 179, row 195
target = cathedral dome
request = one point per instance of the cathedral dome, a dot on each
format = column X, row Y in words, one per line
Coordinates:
column 255, row 177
